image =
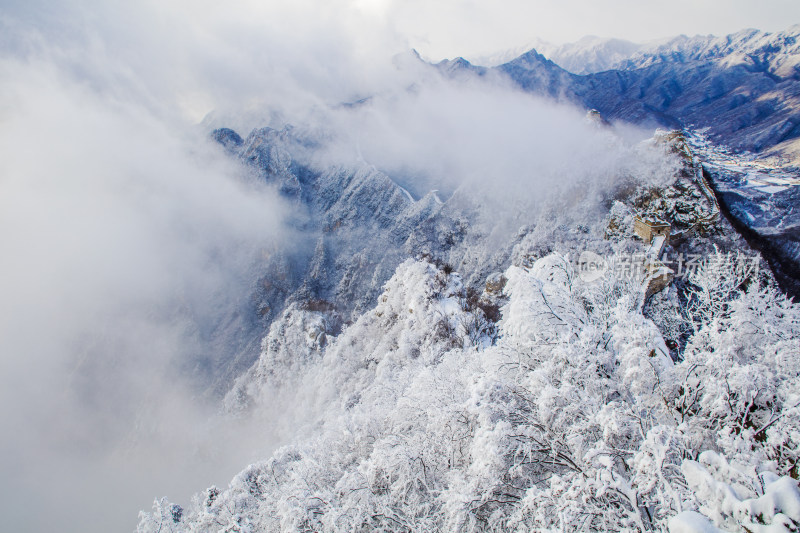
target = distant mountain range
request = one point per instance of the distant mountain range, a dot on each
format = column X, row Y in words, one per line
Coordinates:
column 744, row 87
column 586, row 56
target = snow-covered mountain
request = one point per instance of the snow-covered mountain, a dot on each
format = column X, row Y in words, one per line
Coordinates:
column 595, row 343
column 743, row 87
column 776, row 53
column 355, row 224
column 590, row 54
column 534, row 397
column 585, row 56
column 504, row 56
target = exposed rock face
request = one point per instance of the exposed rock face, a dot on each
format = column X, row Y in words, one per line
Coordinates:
column 227, row 138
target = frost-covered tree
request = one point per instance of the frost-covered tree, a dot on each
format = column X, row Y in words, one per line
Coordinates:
column 165, row 518
column 566, row 414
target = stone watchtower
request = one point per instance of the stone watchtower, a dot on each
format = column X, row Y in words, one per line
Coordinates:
column 649, row 228
column 656, row 233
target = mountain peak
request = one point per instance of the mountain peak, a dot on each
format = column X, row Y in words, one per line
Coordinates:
column 532, row 56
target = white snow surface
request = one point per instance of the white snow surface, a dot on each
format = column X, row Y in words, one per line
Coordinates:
column 773, row 505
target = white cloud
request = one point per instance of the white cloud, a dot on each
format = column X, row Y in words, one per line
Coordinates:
column 120, row 238
column 502, row 145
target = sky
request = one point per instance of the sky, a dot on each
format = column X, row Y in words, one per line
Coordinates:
column 455, row 27
column 117, row 214
column 190, row 57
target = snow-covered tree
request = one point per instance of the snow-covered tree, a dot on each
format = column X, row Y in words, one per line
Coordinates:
column 567, row 414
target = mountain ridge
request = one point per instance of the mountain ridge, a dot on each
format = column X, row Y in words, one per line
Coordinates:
column 744, row 87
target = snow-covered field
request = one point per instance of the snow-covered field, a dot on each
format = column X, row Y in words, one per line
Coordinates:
column 746, row 170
